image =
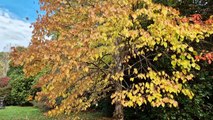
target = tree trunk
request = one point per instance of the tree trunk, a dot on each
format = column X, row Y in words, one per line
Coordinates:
column 118, row 113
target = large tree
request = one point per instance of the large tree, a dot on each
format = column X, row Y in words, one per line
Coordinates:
column 136, row 50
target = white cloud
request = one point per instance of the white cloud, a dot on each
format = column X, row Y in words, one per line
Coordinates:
column 13, row 31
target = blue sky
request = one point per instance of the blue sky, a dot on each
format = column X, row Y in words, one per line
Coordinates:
column 21, row 8
column 14, row 28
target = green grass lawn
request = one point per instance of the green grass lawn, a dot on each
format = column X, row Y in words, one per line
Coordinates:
column 31, row 113
column 21, row 113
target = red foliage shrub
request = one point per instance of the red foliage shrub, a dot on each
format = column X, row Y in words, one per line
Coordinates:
column 4, row 81
column 205, row 57
column 197, row 19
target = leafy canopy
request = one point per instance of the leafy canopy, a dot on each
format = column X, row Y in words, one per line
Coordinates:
column 88, row 35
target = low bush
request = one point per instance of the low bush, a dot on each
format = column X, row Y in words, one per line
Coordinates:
column 5, row 87
column 21, row 87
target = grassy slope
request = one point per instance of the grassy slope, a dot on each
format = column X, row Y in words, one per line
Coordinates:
column 31, row 113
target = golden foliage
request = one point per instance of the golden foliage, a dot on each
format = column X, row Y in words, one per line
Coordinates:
column 86, row 35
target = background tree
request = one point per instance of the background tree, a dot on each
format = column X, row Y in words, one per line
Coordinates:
column 189, row 7
column 112, row 47
column 4, row 63
column 21, row 88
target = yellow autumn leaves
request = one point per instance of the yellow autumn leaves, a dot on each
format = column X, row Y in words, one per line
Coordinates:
column 152, row 44
column 158, row 92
